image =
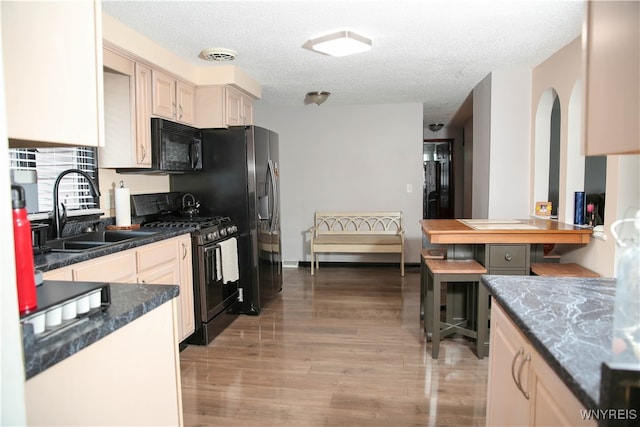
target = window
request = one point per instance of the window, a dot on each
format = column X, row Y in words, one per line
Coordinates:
column 38, row 168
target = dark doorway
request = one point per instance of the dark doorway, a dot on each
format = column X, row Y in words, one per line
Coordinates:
column 437, row 184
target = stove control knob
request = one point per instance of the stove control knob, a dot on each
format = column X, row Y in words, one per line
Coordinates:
column 209, row 236
column 223, row 232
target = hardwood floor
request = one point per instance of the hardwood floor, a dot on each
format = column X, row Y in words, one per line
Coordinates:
column 342, row 348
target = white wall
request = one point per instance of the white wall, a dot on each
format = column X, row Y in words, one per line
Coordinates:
column 501, row 132
column 347, row 158
column 510, row 133
column 481, row 148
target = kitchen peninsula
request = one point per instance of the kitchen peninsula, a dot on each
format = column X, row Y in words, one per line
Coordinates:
column 484, row 231
column 503, row 246
column 557, row 332
column 116, row 367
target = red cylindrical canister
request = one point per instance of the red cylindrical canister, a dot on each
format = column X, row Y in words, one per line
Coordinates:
column 25, row 279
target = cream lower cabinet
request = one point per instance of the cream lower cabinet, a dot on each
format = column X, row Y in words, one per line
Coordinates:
column 522, row 388
column 129, row 378
column 170, row 261
column 166, row 262
column 186, row 320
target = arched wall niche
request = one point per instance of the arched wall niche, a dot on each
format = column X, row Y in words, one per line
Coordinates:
column 542, row 146
column 574, row 163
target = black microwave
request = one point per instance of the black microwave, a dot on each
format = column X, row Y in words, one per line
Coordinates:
column 175, row 148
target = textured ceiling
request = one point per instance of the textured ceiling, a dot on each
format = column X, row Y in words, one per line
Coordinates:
column 430, row 51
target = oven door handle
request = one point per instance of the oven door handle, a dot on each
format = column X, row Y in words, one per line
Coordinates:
column 212, row 262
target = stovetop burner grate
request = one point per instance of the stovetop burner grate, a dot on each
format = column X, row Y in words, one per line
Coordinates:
column 193, row 222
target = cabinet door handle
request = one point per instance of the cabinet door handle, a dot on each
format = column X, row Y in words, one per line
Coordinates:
column 184, row 251
column 180, row 117
column 144, row 153
column 173, row 105
column 524, row 361
column 507, row 257
column 513, row 368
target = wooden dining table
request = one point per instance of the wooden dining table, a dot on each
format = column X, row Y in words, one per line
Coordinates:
column 502, row 246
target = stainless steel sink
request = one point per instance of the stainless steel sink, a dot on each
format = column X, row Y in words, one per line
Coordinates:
column 96, row 239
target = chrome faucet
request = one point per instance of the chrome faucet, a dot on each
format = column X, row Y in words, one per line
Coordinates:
column 56, row 212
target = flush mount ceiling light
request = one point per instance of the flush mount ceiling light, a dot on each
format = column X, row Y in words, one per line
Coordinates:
column 435, row 127
column 218, row 54
column 317, row 97
column 342, row 43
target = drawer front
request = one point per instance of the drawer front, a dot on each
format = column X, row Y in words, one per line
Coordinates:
column 509, row 272
column 111, row 268
column 508, row 256
column 156, row 254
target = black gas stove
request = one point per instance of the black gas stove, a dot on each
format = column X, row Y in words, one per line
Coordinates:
column 181, row 210
column 215, row 257
column 205, row 229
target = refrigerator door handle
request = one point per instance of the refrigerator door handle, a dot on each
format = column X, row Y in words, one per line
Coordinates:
column 274, row 193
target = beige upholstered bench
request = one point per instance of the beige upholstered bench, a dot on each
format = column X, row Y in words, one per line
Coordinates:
column 357, row 232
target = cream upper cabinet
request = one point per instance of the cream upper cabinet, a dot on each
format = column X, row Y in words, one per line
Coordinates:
column 127, row 100
column 122, row 145
column 143, row 115
column 221, row 106
column 239, row 108
column 172, row 99
column 611, row 69
column 52, row 55
column 522, row 388
column 186, row 100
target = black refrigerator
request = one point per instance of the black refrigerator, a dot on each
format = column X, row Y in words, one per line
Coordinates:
column 240, row 179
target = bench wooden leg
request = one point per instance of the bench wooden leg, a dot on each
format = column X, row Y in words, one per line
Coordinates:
column 312, row 261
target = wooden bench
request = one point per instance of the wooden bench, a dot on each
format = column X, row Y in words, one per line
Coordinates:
column 357, row 232
column 561, row 270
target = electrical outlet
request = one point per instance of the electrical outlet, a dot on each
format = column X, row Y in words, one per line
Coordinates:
column 240, row 296
column 409, row 188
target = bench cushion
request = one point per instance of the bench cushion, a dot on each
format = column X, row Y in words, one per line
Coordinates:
column 357, row 239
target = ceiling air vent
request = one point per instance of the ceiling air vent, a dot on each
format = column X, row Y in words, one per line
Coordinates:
column 218, row 54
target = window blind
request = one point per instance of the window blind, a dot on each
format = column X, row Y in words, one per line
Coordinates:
column 48, row 163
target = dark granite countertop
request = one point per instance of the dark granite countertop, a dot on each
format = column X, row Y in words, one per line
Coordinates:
column 128, row 302
column 568, row 320
column 54, row 260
